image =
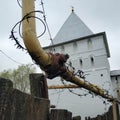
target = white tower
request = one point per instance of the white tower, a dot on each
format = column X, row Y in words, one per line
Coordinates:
column 88, row 52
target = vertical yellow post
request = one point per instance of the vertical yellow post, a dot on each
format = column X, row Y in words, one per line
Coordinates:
column 28, row 6
column 29, row 35
column 114, row 110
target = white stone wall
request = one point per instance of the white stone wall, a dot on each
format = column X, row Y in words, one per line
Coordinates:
column 86, row 54
column 90, row 56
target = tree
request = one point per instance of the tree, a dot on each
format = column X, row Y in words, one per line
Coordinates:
column 19, row 76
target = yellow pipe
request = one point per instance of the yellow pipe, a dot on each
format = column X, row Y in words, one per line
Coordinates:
column 62, row 86
column 27, row 7
column 29, row 35
column 68, row 76
column 114, row 109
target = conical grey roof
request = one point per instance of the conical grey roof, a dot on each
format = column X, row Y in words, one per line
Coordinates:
column 73, row 28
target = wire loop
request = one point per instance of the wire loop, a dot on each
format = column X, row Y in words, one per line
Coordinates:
column 26, row 17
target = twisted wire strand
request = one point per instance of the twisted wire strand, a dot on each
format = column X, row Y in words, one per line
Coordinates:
column 26, row 17
column 48, row 29
column 18, row 1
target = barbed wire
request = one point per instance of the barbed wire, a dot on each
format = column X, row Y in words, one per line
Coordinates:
column 75, row 72
column 26, row 17
column 71, row 91
column 82, row 75
column 57, row 92
column 45, row 25
column 18, row 1
column 50, row 36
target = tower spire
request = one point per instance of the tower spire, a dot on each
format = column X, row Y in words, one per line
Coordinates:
column 72, row 9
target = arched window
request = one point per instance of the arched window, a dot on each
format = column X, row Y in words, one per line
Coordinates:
column 101, row 75
column 74, row 44
column 92, row 59
column 81, row 62
column 89, row 42
column 62, row 48
column 116, row 78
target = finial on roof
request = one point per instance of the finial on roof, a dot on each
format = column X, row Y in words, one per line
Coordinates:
column 72, row 9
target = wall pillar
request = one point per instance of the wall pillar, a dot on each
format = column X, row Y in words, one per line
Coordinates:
column 6, row 87
column 60, row 114
column 38, row 85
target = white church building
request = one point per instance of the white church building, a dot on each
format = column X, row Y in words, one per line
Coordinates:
column 88, row 52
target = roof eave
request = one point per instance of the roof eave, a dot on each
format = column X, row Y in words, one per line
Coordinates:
column 89, row 36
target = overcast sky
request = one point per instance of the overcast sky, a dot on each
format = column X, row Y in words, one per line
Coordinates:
column 98, row 15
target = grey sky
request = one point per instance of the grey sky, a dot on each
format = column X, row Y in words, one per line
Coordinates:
column 98, row 15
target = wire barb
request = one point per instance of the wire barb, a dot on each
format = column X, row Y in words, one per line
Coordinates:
column 26, row 17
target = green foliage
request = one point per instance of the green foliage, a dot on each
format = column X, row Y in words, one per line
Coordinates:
column 19, row 76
